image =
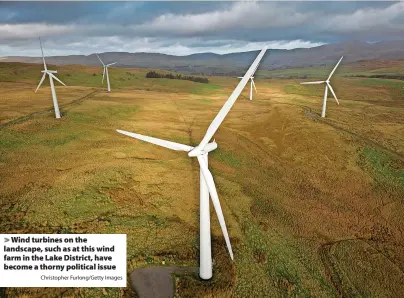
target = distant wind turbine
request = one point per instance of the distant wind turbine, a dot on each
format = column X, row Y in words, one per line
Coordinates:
column 252, row 83
column 327, row 85
column 51, row 75
column 106, row 71
column 207, row 184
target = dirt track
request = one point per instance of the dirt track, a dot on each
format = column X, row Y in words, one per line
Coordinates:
column 30, row 116
column 309, row 113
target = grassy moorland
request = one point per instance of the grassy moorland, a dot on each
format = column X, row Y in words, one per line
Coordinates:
column 364, row 68
column 314, row 206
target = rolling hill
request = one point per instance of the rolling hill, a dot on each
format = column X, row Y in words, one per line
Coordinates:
column 235, row 63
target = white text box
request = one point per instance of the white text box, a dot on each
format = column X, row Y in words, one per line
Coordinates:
column 63, row 260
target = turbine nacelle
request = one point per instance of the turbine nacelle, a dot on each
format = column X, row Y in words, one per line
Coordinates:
column 197, row 151
column 49, row 71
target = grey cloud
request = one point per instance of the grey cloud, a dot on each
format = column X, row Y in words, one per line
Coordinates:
column 185, row 28
column 246, row 15
column 389, row 19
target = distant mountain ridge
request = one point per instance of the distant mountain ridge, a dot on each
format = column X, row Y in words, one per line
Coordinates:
column 235, row 63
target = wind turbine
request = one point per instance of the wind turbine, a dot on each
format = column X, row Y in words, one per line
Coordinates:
column 327, row 85
column 207, row 184
column 106, row 71
column 51, row 75
column 252, row 83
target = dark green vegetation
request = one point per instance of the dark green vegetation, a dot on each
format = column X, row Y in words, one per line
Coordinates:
column 381, row 76
column 155, row 75
column 314, row 207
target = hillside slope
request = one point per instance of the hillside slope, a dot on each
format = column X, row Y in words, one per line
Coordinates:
column 235, row 63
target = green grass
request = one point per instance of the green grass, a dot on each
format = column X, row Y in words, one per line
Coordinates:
column 56, row 136
column 351, row 69
column 312, row 72
column 102, row 114
column 180, row 139
column 204, row 88
column 73, row 75
column 228, row 157
column 12, row 140
column 63, row 211
column 384, row 168
column 350, row 257
column 284, row 261
column 18, row 72
column 80, row 117
column 138, row 221
column 306, row 90
column 379, row 82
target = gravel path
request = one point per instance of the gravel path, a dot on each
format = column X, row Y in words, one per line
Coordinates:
column 156, row 282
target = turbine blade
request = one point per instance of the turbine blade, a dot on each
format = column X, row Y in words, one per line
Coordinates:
column 332, row 91
column 41, row 81
column 43, row 57
column 255, row 70
column 254, row 85
column 111, row 64
column 215, row 200
column 103, row 75
column 310, row 83
column 100, row 60
column 213, row 127
column 159, row 142
column 53, row 76
column 329, row 77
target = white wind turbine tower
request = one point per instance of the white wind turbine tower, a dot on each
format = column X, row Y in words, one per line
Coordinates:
column 51, row 75
column 207, row 184
column 327, row 85
column 106, row 71
column 252, row 83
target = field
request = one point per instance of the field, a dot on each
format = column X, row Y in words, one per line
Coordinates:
column 314, row 206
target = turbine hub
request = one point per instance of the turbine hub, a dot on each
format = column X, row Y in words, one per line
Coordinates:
column 197, row 151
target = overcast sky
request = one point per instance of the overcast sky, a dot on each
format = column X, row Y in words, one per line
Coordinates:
column 183, row 28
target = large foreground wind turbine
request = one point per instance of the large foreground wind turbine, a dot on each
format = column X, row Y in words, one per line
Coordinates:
column 252, row 83
column 106, row 71
column 51, row 75
column 327, row 85
column 207, row 184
